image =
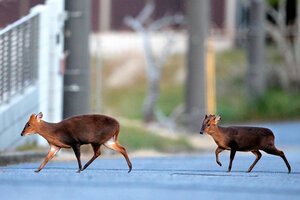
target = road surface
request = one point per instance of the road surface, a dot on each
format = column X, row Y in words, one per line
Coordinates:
column 177, row 177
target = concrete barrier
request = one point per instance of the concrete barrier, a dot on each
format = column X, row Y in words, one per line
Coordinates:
column 13, row 117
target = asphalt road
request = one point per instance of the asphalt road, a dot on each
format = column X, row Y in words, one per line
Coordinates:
column 178, row 177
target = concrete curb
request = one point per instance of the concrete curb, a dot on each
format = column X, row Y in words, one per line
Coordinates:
column 20, row 157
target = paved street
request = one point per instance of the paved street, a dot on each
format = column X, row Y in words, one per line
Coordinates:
column 178, row 177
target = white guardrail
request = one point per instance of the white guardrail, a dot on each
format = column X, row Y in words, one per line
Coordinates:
column 31, row 51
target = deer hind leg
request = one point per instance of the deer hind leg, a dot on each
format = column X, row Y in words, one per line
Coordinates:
column 218, row 150
column 97, row 153
column 258, row 156
column 232, row 154
column 53, row 150
column 76, row 149
column 114, row 145
column 277, row 152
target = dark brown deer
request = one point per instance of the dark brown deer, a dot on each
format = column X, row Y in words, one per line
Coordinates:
column 76, row 131
column 239, row 138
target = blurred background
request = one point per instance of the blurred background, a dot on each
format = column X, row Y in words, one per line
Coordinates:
column 158, row 66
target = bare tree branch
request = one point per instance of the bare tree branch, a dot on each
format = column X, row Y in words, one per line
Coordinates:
column 289, row 48
column 166, row 51
column 277, row 17
column 134, row 24
column 142, row 25
column 146, row 13
column 285, row 48
column 167, row 20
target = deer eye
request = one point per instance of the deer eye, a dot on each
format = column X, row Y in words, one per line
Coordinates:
column 28, row 125
column 208, row 125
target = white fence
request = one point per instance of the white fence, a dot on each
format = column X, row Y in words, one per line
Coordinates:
column 31, row 50
column 18, row 65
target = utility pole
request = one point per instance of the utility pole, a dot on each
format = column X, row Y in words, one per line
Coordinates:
column 195, row 91
column 255, row 76
column 77, row 72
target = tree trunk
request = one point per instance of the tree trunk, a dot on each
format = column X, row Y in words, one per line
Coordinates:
column 154, row 65
column 153, row 77
column 152, row 95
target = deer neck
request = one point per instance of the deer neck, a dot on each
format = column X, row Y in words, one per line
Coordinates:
column 216, row 133
column 47, row 130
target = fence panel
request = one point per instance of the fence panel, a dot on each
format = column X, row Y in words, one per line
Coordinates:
column 18, row 57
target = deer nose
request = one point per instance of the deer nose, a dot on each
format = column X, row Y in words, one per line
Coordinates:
column 201, row 130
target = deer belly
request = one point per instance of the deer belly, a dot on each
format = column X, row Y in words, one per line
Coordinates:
column 223, row 145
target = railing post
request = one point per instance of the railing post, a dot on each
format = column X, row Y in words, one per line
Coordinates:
column 8, row 67
column 36, row 47
column 19, row 60
column 1, row 67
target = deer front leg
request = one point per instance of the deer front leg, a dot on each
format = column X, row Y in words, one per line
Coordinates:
column 232, row 154
column 53, row 150
column 218, row 150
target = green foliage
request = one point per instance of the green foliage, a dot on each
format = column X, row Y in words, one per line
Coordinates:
column 171, row 97
column 273, row 3
column 126, row 102
column 232, row 104
column 275, row 104
column 135, row 138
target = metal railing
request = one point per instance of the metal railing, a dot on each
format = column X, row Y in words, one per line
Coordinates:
column 18, row 57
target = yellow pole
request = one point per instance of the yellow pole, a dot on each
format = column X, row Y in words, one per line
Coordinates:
column 210, row 78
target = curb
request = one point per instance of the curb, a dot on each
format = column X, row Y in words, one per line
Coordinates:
column 20, row 157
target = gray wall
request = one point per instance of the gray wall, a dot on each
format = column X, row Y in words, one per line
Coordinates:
column 13, row 117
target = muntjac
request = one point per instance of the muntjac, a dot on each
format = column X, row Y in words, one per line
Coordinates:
column 76, row 131
column 239, row 138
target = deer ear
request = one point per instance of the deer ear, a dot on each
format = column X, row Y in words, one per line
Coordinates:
column 217, row 119
column 32, row 116
column 205, row 117
column 39, row 116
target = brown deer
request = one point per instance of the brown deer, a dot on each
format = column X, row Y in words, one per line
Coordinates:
column 239, row 138
column 76, row 131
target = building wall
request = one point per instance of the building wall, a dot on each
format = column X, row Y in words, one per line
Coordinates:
column 122, row 8
column 12, row 10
